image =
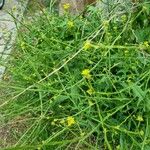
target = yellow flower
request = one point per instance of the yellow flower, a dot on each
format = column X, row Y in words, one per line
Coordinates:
column 70, row 24
column 90, row 91
column 23, row 46
column 66, row 6
column 70, row 121
column 87, row 45
column 146, row 44
column 90, row 103
column 139, row 118
column 86, row 73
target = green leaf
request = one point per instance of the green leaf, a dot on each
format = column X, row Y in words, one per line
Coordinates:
column 138, row 92
column 142, row 34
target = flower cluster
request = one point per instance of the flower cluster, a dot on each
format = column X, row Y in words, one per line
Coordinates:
column 23, row 45
column 70, row 24
column 66, row 6
column 69, row 121
column 87, row 45
column 140, row 118
column 146, row 44
column 90, row 91
column 86, row 73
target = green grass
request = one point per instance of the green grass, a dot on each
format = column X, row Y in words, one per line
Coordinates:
column 109, row 104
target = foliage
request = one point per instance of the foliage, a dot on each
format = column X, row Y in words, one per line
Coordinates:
column 82, row 82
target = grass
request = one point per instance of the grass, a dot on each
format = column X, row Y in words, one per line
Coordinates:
column 80, row 82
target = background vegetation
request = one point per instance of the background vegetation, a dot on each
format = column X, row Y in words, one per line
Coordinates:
column 80, row 82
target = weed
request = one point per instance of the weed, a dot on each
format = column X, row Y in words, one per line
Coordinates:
column 82, row 82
